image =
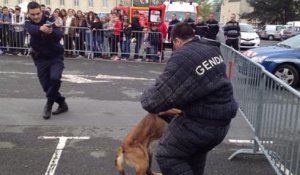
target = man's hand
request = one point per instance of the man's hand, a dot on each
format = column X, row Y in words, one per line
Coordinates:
column 46, row 28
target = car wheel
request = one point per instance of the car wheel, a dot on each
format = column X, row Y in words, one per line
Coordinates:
column 288, row 74
column 271, row 37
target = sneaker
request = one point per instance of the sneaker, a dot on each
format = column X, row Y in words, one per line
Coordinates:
column 20, row 54
column 79, row 56
column 116, row 58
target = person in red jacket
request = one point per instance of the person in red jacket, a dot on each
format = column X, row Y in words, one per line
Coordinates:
column 163, row 29
column 116, row 36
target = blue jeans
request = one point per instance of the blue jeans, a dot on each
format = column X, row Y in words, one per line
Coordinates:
column 89, row 41
column 97, row 44
column 125, row 49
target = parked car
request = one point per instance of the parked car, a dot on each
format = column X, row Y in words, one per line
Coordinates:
column 290, row 32
column 282, row 59
column 270, row 32
column 249, row 38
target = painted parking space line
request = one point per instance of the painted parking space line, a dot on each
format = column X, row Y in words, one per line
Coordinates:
column 58, row 151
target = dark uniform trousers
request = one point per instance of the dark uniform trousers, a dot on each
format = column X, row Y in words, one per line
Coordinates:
column 183, row 148
column 49, row 72
column 233, row 43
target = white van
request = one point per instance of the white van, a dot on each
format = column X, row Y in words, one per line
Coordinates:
column 293, row 23
column 270, row 32
column 249, row 38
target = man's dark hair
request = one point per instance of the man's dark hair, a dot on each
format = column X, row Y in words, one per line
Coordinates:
column 182, row 31
column 33, row 5
column 43, row 5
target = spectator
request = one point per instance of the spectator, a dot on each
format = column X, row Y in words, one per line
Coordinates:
column 6, row 33
column 80, row 34
column 18, row 21
column 97, row 37
column 115, row 37
column 69, row 33
column 162, row 28
column 63, row 13
column 200, row 27
column 155, row 42
column 146, row 43
column 57, row 20
column 172, row 23
column 126, row 39
column 105, row 25
column 189, row 20
column 88, row 33
column 232, row 32
column 213, row 27
column 137, row 33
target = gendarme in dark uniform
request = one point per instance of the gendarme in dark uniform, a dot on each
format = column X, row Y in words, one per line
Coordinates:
column 47, row 54
column 232, row 33
column 194, row 81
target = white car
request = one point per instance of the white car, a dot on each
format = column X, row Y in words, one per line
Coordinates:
column 249, row 38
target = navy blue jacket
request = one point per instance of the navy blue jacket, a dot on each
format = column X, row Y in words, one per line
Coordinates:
column 232, row 29
column 47, row 45
column 195, row 81
column 213, row 29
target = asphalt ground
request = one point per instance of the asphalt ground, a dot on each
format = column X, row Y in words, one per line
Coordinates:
column 103, row 98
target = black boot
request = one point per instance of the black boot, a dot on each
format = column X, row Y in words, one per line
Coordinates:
column 62, row 107
column 47, row 110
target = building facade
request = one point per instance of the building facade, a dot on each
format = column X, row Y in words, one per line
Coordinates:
column 84, row 5
column 234, row 6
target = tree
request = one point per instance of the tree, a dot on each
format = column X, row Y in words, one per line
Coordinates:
column 205, row 8
column 273, row 11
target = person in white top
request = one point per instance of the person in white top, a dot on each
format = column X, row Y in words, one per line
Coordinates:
column 18, row 21
column 69, row 32
column 57, row 20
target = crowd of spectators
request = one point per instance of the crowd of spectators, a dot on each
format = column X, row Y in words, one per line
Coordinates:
column 109, row 36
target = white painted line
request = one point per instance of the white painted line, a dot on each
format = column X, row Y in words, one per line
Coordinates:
column 79, row 80
column 247, row 141
column 111, row 77
column 59, row 149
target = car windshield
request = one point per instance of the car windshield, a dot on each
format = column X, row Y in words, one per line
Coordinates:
column 293, row 42
column 247, row 28
column 180, row 15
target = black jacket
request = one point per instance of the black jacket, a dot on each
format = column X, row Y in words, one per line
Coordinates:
column 171, row 25
column 47, row 45
column 213, row 29
column 195, row 81
column 232, row 29
column 190, row 21
column 201, row 29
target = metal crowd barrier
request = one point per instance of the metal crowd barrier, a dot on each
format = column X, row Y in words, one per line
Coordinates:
column 91, row 43
column 271, row 108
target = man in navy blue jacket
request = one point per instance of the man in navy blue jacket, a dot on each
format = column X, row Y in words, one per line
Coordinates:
column 194, row 81
column 47, row 54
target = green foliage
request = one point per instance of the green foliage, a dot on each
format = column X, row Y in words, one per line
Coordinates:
column 205, row 8
column 273, row 11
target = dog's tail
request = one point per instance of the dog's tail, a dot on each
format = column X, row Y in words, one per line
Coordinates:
column 119, row 161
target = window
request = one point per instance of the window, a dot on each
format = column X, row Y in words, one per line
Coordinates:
column 104, row 3
column 47, row 2
column 20, row 1
column 62, row 2
column 91, row 3
column 76, row 2
column 5, row 1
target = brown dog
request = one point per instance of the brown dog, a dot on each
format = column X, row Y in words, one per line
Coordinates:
column 134, row 149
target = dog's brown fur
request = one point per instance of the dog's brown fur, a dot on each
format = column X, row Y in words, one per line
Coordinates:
column 134, row 149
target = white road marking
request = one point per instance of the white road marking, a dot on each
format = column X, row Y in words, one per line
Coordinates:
column 247, row 141
column 111, row 77
column 59, row 149
column 79, row 79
